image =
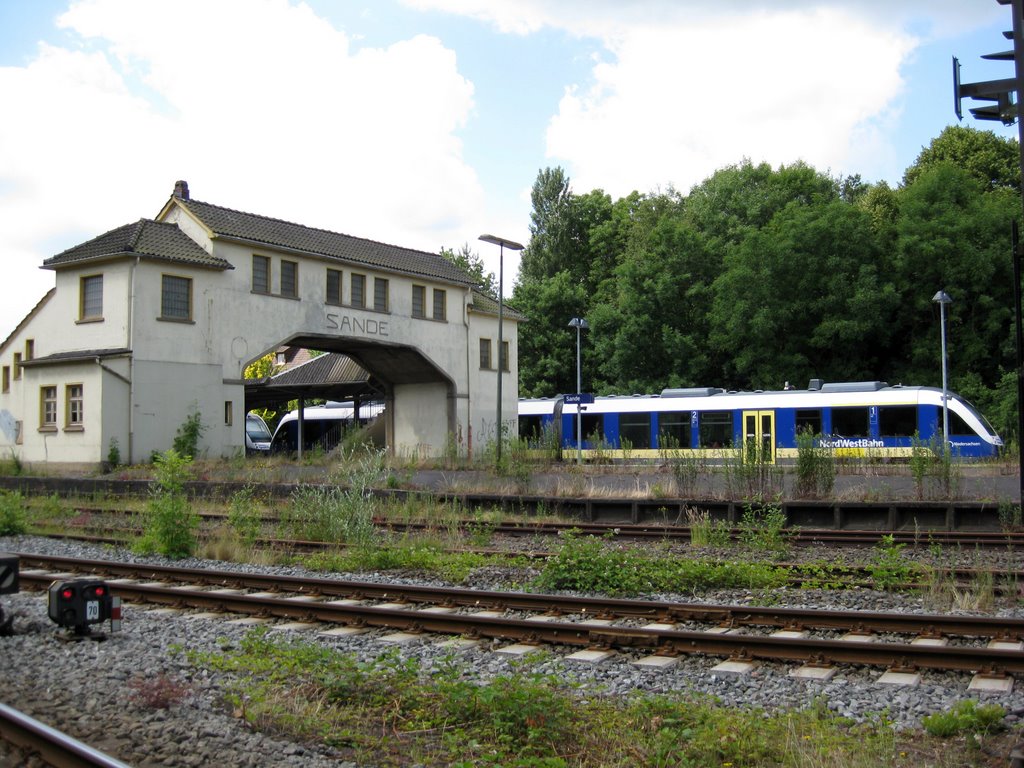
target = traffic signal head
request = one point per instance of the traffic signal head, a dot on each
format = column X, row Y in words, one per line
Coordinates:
column 78, row 604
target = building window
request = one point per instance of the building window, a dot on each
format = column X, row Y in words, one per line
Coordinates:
column 18, row 432
column 280, row 358
column 380, row 294
column 91, row 298
column 485, row 354
column 30, row 348
column 261, row 274
column 7, row 379
column 75, row 416
column 176, row 298
column 289, row 279
column 229, row 413
column 440, row 304
column 419, row 300
column 17, row 365
column 504, row 356
column 48, row 408
column 333, row 286
column 359, row 291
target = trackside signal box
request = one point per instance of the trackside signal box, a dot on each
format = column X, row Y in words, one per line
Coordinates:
column 8, row 573
column 80, row 603
column 8, row 585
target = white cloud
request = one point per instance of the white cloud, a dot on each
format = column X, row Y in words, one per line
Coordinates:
column 676, row 103
column 680, row 89
column 259, row 104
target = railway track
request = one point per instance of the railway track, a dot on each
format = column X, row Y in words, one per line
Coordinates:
column 56, row 748
column 1001, row 580
column 662, row 532
column 899, row 642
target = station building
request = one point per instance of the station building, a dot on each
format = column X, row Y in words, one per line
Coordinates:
column 156, row 321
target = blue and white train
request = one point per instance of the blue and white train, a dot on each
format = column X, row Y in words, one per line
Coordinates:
column 852, row 418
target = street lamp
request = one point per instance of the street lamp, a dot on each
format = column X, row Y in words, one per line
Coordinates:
column 942, row 299
column 512, row 245
column 579, row 324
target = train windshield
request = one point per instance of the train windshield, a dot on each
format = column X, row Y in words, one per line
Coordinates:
column 978, row 415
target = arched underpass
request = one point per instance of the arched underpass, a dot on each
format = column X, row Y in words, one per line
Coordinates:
column 358, row 370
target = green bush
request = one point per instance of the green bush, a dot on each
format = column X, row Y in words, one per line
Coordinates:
column 13, row 518
column 170, row 524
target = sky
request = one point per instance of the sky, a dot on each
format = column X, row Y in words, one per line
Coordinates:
column 424, row 123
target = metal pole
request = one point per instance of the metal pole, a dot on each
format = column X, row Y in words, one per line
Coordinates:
column 1017, row 8
column 1020, row 357
column 579, row 406
column 945, row 396
column 501, row 313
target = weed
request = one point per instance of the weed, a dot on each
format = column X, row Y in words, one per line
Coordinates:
column 159, row 692
column 965, row 717
column 244, row 516
column 764, row 529
column 186, row 441
column 1009, row 516
column 705, row 532
column 389, row 711
column 113, row 455
column 888, row 569
column 815, row 467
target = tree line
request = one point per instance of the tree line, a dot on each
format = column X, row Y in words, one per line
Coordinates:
column 763, row 275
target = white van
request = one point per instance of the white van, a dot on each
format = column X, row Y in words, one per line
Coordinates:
column 323, row 426
column 257, row 435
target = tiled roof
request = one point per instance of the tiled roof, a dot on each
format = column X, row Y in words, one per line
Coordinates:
column 152, row 239
column 229, row 223
column 329, row 368
column 486, row 305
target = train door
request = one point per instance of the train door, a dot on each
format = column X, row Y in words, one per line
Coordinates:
column 759, row 434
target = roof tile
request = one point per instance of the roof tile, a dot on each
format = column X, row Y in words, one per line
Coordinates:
column 154, row 239
column 229, row 223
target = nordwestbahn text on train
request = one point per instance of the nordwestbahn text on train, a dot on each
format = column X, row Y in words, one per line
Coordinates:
column 852, row 418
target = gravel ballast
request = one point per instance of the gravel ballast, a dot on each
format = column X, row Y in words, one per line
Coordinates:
column 87, row 688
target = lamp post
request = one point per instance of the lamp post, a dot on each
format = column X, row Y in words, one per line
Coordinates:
column 579, row 324
column 942, row 299
column 512, row 245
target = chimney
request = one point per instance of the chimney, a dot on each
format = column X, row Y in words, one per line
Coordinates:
column 181, row 190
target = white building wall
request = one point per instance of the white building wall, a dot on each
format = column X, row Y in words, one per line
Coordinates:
column 178, row 368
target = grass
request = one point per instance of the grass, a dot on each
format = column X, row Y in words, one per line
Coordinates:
column 391, row 711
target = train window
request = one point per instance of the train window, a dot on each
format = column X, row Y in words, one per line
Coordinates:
column 674, row 430
column 897, row 420
column 593, row 427
column 850, row 422
column 716, row 429
column 530, row 427
column 957, row 426
column 808, row 421
column 636, row 428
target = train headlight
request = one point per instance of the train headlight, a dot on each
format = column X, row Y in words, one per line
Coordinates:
column 79, row 604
